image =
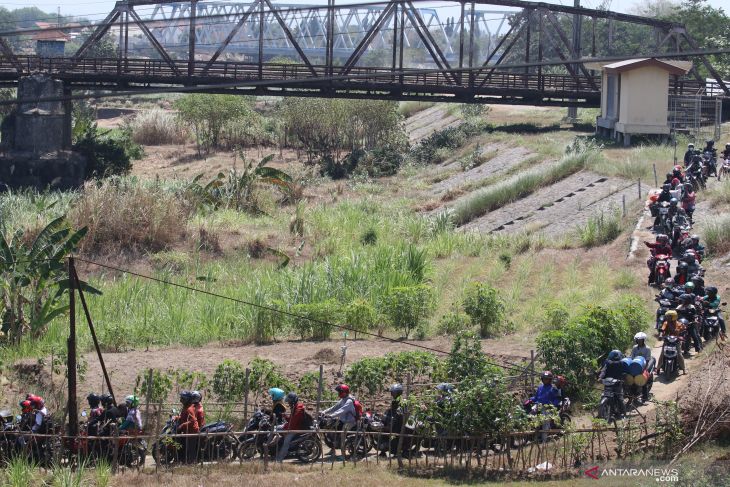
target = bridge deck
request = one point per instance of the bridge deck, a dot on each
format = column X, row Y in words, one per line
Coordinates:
column 488, row 86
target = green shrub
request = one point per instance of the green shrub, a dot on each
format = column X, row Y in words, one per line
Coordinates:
column 369, row 236
column 315, row 320
column 407, row 307
column 107, row 155
column 578, row 349
column 601, row 228
column 486, row 309
column 367, row 376
column 266, row 374
column 157, row 127
column 229, row 381
column 556, row 316
column 467, row 360
column 158, row 390
column 453, row 322
column 360, row 316
column 438, row 146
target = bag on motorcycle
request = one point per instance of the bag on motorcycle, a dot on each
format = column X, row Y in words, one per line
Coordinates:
column 358, row 408
column 307, row 421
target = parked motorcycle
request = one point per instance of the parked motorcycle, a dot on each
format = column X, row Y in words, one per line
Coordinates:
column 387, row 441
column 306, row 448
column 131, row 451
column 171, row 450
column 611, row 407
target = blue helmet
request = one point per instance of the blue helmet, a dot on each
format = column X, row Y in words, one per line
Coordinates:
column 615, row 355
column 276, row 394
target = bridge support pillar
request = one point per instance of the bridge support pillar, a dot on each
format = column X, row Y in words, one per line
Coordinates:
column 36, row 138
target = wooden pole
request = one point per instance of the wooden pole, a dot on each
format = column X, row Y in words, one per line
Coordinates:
column 532, row 368
column 150, row 378
column 638, row 184
column 245, row 393
column 656, row 180
column 623, row 204
column 73, row 417
column 77, row 285
column 319, row 389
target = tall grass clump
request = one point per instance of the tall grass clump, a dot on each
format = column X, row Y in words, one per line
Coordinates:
column 636, row 162
column 601, row 228
column 717, row 235
column 19, row 472
column 491, row 198
column 126, row 215
column 410, row 108
column 719, row 194
column 157, row 127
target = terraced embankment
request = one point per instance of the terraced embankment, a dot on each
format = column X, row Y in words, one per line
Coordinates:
column 428, row 121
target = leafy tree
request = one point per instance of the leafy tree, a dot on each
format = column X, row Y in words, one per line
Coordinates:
column 266, row 374
column 486, row 309
column 360, row 315
column 33, row 278
column 408, row 307
column 106, row 47
column 207, row 115
column 315, row 320
column 229, row 381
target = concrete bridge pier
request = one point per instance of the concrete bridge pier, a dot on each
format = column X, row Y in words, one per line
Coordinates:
column 36, row 138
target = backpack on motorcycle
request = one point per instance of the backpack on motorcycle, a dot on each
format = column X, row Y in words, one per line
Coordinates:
column 308, row 420
column 358, row 408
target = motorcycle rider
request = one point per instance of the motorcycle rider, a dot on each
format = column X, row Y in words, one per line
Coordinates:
column 277, row 408
column 687, row 311
column 693, row 267
column 710, row 147
column 188, row 424
column 393, row 419
column 671, row 327
column 95, row 412
column 133, row 419
column 660, row 247
column 344, row 411
column 726, row 152
column 688, row 155
column 694, row 244
column 711, row 300
column 547, row 393
column 197, row 404
column 642, row 350
column 613, row 369
column 678, row 173
column 41, row 417
column 698, row 285
column 688, row 200
column 296, row 422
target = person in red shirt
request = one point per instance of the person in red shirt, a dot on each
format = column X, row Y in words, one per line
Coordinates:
column 297, row 422
column 199, row 413
column 187, row 424
column 660, row 247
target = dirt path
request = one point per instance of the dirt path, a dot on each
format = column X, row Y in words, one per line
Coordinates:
column 558, row 208
column 428, row 121
column 294, row 357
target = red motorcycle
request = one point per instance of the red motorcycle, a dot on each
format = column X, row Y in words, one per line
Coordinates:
column 662, row 269
column 131, row 450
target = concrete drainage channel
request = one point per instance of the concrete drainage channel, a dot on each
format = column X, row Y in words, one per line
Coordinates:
column 549, row 205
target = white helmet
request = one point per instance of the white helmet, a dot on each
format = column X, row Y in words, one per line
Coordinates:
column 640, row 336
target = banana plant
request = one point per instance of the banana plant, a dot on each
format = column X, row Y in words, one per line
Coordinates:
column 236, row 188
column 34, row 277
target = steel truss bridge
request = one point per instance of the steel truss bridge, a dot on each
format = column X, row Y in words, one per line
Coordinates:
column 483, row 51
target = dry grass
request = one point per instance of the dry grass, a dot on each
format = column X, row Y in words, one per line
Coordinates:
column 157, row 127
column 128, row 218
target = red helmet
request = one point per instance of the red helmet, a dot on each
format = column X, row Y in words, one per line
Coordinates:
column 37, row 402
column 25, row 406
column 343, row 390
column 560, row 381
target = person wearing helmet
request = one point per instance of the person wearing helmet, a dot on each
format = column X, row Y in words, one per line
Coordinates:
column 26, row 415
column 726, row 152
column 298, row 421
column 693, row 243
column 187, row 423
column 698, row 285
column 613, row 369
column 688, row 200
column 640, row 349
column 671, row 327
column 665, row 194
column 711, row 300
column 277, row 407
column 660, row 246
column 393, row 418
column 687, row 310
column 710, row 147
column 678, row 173
column 197, row 399
column 133, row 419
column 41, row 418
column 95, row 409
column 688, row 155
column 344, row 411
column 547, row 393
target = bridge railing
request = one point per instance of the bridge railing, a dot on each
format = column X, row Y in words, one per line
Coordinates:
column 488, row 80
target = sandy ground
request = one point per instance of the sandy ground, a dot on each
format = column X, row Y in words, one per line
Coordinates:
column 428, row 121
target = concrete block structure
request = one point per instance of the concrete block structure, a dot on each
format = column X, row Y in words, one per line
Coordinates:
column 635, row 97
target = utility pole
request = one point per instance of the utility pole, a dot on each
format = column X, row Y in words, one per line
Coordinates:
column 577, row 20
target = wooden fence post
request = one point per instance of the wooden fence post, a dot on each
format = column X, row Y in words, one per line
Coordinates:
column 638, row 184
column 319, row 389
column 245, row 393
column 623, row 204
column 150, row 379
column 532, row 369
column 656, row 181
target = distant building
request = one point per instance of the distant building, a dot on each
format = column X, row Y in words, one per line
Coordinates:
column 50, row 42
column 635, row 97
